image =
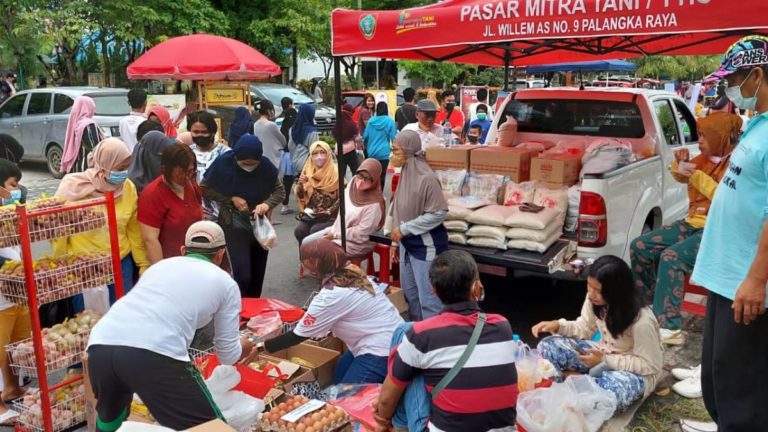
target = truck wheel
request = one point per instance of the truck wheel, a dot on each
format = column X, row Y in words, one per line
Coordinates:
column 53, row 157
column 646, row 228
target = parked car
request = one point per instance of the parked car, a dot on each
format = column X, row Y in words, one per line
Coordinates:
column 325, row 116
column 619, row 205
column 37, row 119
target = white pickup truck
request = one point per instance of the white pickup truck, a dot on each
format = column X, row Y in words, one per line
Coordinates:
column 619, row 205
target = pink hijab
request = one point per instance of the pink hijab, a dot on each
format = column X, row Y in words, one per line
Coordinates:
column 92, row 183
column 80, row 117
column 165, row 119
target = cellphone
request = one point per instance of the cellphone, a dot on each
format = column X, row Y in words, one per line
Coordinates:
column 577, row 347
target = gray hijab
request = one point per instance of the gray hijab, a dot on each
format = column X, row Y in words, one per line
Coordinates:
column 418, row 191
column 145, row 164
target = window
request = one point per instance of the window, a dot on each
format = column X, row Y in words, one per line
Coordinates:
column 667, row 121
column 576, row 117
column 686, row 119
column 62, row 104
column 111, row 104
column 39, row 103
column 13, row 107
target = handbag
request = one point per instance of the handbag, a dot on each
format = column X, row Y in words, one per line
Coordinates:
column 241, row 221
column 463, row 359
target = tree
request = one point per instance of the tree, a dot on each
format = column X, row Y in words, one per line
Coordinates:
column 435, row 73
column 688, row 68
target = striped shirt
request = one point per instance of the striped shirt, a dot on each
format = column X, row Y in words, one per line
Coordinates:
column 483, row 395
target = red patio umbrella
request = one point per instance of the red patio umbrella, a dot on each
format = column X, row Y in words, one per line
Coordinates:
column 202, row 57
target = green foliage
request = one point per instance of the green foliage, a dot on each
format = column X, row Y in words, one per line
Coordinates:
column 489, row 76
column 689, row 68
column 438, row 74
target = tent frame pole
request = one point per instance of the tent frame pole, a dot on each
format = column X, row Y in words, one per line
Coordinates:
column 340, row 150
column 507, row 60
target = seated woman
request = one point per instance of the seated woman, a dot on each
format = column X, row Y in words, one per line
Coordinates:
column 663, row 258
column 364, row 212
column 629, row 354
column 317, row 192
column 349, row 306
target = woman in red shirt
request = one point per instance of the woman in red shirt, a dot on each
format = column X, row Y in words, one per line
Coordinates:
column 170, row 204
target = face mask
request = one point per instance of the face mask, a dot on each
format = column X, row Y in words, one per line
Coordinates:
column 319, row 160
column 481, row 116
column 202, row 140
column 715, row 159
column 472, row 138
column 734, row 94
column 249, row 168
column 117, row 177
column 396, row 161
column 15, row 196
column 450, row 106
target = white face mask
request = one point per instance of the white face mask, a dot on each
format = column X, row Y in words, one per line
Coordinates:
column 249, row 168
column 319, row 160
column 734, row 94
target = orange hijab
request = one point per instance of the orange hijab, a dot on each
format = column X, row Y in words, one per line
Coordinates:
column 325, row 179
column 165, row 119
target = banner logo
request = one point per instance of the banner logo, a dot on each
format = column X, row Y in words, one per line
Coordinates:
column 406, row 22
column 368, row 26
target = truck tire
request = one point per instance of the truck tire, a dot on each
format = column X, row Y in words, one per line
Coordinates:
column 53, row 156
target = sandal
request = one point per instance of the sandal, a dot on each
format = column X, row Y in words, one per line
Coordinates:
column 9, row 418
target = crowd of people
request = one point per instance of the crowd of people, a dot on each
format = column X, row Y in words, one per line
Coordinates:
column 185, row 205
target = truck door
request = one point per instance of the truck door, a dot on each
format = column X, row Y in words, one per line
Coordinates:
column 675, row 196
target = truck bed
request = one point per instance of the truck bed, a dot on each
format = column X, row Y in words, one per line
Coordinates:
column 501, row 261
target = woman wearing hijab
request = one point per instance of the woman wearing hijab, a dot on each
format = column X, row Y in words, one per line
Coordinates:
column 303, row 134
column 379, row 133
column 365, row 111
column 245, row 185
column 349, row 306
column 145, row 163
column 347, row 137
column 242, row 125
column 159, row 114
column 663, row 258
column 418, row 234
column 170, row 204
column 83, row 134
column 317, row 192
column 108, row 174
column 364, row 212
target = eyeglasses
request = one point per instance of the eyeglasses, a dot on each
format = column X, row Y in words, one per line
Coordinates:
column 365, row 177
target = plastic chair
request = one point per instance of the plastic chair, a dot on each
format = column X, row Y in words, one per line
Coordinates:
column 693, row 307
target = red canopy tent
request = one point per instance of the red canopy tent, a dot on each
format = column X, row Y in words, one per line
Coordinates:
column 202, row 57
column 533, row 32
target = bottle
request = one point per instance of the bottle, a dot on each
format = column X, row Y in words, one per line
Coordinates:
column 447, row 135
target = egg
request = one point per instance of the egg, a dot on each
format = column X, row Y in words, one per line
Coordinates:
column 300, row 428
column 334, row 417
column 307, row 421
column 282, row 405
column 310, row 429
column 316, row 417
column 326, row 422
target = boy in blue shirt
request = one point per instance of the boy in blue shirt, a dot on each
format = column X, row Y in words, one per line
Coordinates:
column 482, row 122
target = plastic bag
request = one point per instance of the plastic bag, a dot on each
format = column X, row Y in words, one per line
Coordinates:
column 97, row 299
column 240, row 409
column 518, row 193
column 487, row 186
column 597, row 404
column 266, row 325
column 356, row 400
column 553, row 409
column 264, row 232
column 256, row 306
column 451, row 181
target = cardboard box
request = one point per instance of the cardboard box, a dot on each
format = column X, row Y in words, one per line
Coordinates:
column 509, row 161
column 324, row 360
column 212, row 426
column 562, row 169
column 456, row 157
column 397, row 297
column 554, row 185
column 330, row 342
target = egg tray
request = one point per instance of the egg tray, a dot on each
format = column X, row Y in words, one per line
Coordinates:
column 326, row 419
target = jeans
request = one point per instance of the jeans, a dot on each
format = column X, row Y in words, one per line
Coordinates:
column 363, row 369
column 628, row 387
column 413, row 409
column 127, row 266
column 414, row 279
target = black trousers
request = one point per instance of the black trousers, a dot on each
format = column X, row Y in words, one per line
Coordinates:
column 350, row 161
column 384, row 166
column 249, row 261
column 287, row 184
column 734, row 369
column 303, row 229
column 173, row 390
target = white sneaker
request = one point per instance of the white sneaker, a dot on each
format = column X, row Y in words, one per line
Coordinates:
column 689, row 388
column 685, row 373
column 697, row 426
column 671, row 337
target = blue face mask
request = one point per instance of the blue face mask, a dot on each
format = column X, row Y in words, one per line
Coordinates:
column 481, row 116
column 117, row 177
column 15, row 196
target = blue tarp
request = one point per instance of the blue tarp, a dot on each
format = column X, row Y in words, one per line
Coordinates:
column 591, row 66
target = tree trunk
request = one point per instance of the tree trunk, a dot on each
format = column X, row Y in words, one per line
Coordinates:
column 294, row 62
column 105, row 59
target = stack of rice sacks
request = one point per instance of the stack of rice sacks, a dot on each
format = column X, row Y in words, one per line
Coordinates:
column 480, row 190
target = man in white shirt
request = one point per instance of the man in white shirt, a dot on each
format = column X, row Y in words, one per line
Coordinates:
column 141, row 345
column 129, row 125
column 269, row 134
column 431, row 134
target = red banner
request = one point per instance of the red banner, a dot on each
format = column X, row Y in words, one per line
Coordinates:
column 547, row 31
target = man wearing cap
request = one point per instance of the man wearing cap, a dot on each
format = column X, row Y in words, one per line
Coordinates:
column 141, row 345
column 431, row 134
column 733, row 257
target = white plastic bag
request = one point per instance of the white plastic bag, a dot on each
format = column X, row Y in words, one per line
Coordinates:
column 240, row 409
column 451, row 181
column 97, row 299
column 264, row 232
column 596, row 403
column 553, row 409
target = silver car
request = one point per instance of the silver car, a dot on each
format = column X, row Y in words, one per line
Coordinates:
column 37, row 120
